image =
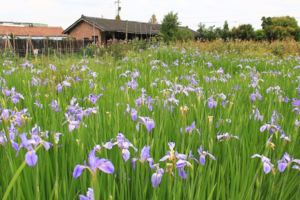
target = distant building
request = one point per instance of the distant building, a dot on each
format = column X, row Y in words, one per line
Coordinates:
column 33, row 31
column 100, row 30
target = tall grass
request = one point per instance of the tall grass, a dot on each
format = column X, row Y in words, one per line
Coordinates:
column 233, row 175
column 249, row 48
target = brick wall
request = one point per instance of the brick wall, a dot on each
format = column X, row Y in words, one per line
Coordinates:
column 84, row 30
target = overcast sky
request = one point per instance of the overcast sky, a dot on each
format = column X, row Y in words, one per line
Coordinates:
column 191, row 12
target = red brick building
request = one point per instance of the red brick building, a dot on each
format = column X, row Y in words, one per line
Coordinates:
column 101, row 30
column 34, row 32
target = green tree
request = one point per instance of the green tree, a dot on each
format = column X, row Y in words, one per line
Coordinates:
column 170, row 27
column 266, row 21
column 153, row 19
column 260, row 35
column 243, row 32
column 201, row 31
column 225, row 31
column 280, row 28
column 118, row 18
column 208, row 34
column 297, row 34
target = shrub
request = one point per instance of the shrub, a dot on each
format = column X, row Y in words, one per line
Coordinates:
column 184, row 35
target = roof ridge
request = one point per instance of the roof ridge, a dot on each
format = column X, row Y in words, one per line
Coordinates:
column 31, row 26
column 83, row 16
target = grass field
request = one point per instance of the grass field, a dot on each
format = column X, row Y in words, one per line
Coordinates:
column 60, row 126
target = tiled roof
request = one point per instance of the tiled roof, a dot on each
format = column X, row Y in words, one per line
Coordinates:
column 35, row 31
column 118, row 25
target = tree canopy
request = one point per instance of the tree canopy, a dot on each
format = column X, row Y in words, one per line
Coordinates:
column 273, row 28
column 170, row 27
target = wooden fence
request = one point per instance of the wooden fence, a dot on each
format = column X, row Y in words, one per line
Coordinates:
column 25, row 47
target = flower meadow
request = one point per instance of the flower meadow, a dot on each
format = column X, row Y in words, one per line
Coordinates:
column 162, row 123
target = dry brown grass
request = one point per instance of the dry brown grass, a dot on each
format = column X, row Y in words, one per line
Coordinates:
column 254, row 48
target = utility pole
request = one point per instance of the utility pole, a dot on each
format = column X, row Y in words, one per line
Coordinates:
column 118, row 2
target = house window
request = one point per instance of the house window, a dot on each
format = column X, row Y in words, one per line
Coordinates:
column 95, row 39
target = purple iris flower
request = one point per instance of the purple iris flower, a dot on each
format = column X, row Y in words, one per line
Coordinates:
column 145, row 153
column 123, row 143
column 57, row 137
column 211, row 102
column 274, row 128
column 93, row 74
column 267, row 165
column 132, row 84
column 285, row 161
column 77, row 79
column 286, row 99
column 108, row 145
column 144, row 156
column 94, row 163
column 180, row 165
column 125, row 154
column 3, row 138
column 156, row 177
column 5, row 114
column 35, row 81
column 180, row 159
column 91, row 84
column 89, row 195
column 59, row 88
column 209, row 64
column 89, row 111
column 27, row 64
column 6, row 92
column 296, row 105
column 38, row 104
column 226, row 136
column 256, row 115
column 13, row 95
column 55, row 106
column 16, row 98
column 139, row 101
column 18, row 117
column 134, row 114
column 285, row 137
column 148, row 122
column 73, row 124
column 94, row 98
column 191, row 128
column 203, row 154
column 149, row 102
column 31, row 158
column 75, row 114
column 170, row 154
column 30, row 142
column 267, row 127
column 296, row 102
column 66, row 83
column 255, row 95
column 52, row 67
